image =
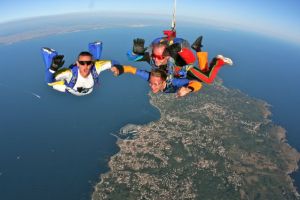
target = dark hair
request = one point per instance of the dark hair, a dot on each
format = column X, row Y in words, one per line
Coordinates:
column 159, row 73
column 85, row 53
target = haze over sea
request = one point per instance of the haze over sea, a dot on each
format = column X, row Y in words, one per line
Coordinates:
column 55, row 146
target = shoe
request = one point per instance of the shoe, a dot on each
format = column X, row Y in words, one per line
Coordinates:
column 197, row 45
column 48, row 50
column 48, row 54
column 226, row 60
column 95, row 48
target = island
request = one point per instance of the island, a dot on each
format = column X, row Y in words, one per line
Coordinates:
column 216, row 144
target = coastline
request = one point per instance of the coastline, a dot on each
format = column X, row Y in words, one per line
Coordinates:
column 32, row 28
column 284, row 139
column 124, row 167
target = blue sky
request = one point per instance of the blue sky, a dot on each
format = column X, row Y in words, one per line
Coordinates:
column 274, row 17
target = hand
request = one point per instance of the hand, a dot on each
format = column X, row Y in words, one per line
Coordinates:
column 57, row 62
column 138, row 46
column 174, row 49
column 183, row 91
column 115, row 71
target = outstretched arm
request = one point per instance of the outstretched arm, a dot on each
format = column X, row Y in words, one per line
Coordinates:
column 138, row 58
column 138, row 52
column 120, row 69
column 102, row 65
column 53, row 63
column 186, row 86
column 55, row 77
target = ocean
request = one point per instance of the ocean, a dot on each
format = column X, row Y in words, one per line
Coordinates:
column 56, row 146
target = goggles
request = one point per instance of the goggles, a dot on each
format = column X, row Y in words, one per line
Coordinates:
column 158, row 57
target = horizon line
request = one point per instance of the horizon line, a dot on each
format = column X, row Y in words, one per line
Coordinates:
column 203, row 21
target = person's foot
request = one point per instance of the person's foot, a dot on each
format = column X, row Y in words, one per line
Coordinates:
column 226, row 60
column 48, row 55
column 48, row 50
column 197, row 45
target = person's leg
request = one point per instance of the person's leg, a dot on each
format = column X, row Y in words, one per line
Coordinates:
column 95, row 48
column 201, row 56
column 203, row 61
column 48, row 55
column 197, row 73
column 209, row 76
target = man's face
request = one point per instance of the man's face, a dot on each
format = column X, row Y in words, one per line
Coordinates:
column 156, row 84
column 84, row 63
column 157, row 55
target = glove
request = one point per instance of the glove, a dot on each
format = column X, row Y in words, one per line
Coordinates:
column 173, row 50
column 57, row 62
column 120, row 70
column 138, row 46
column 82, row 90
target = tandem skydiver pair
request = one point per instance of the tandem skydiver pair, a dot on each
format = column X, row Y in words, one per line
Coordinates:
column 174, row 55
column 172, row 60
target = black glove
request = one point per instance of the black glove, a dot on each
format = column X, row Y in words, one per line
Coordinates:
column 57, row 62
column 120, row 68
column 174, row 49
column 138, row 46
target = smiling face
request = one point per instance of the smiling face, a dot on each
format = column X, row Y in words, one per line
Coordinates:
column 156, row 84
column 84, row 64
column 157, row 81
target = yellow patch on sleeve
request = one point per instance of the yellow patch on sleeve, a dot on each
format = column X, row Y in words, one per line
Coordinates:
column 56, row 83
column 100, row 63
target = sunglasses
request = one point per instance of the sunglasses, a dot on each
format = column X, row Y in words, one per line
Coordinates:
column 158, row 57
column 89, row 62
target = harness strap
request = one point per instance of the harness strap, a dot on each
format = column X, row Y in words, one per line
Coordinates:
column 74, row 78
